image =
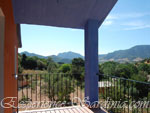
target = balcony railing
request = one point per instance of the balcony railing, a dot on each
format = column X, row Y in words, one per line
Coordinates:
column 120, row 95
column 124, row 95
column 52, row 88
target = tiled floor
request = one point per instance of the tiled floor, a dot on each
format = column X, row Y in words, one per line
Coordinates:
column 73, row 109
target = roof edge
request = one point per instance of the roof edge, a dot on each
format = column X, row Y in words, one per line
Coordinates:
column 19, row 36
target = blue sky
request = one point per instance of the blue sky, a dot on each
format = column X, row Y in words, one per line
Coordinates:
column 127, row 25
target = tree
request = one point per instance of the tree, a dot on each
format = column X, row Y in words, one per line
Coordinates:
column 144, row 67
column 141, row 89
column 20, row 68
column 78, row 62
column 49, row 60
column 78, row 68
column 122, row 70
column 52, row 66
column 59, row 88
column 31, row 63
column 108, row 68
column 65, row 68
column 41, row 65
column 28, row 62
column 133, row 68
column 23, row 61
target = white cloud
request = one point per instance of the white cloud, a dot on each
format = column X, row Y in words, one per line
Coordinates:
column 128, row 15
column 133, row 23
column 128, row 20
column 108, row 22
column 138, row 27
column 136, row 15
column 111, row 17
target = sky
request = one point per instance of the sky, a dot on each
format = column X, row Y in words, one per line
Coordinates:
column 127, row 25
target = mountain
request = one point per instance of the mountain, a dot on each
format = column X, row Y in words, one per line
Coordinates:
column 32, row 54
column 65, row 57
column 69, row 55
column 135, row 53
column 59, row 59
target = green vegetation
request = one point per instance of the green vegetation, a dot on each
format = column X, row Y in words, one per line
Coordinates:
column 56, row 72
column 134, row 71
column 55, row 80
column 76, row 68
column 136, row 53
column 124, row 89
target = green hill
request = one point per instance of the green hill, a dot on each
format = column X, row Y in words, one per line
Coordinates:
column 135, row 53
column 65, row 57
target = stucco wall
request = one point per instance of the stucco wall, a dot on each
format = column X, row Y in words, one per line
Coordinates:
column 1, row 57
column 10, row 41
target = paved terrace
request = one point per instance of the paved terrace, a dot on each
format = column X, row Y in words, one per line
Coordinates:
column 73, row 109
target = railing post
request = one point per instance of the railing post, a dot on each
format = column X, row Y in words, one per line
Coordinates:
column 91, row 60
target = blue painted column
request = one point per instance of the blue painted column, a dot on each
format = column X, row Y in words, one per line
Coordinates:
column 91, row 60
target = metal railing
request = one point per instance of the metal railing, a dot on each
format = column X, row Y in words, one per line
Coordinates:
column 53, row 88
column 124, row 95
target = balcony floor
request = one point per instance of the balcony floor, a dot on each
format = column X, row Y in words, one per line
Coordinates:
column 73, row 109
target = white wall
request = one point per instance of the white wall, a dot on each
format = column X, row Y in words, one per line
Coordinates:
column 2, row 19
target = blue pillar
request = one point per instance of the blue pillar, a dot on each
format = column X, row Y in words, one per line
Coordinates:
column 91, row 60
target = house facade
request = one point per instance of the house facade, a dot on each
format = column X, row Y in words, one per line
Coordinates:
column 9, row 44
column 80, row 14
